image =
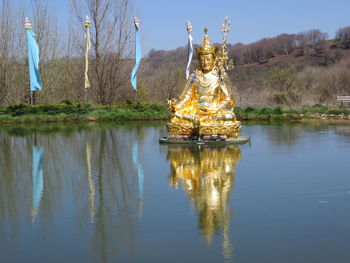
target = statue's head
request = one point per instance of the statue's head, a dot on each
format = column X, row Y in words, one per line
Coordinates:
column 206, row 62
column 206, row 54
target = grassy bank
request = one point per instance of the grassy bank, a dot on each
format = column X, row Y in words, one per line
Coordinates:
column 293, row 113
column 68, row 112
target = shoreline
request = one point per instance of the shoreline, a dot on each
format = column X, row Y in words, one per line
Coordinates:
column 74, row 120
column 67, row 112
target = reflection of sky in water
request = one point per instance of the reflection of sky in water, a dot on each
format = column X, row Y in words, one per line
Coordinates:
column 106, row 196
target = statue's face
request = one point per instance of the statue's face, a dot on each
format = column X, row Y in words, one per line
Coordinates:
column 206, row 62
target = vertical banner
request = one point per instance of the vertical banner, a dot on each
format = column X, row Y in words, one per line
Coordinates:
column 189, row 48
column 137, row 54
column 88, row 45
column 33, row 58
column 37, row 180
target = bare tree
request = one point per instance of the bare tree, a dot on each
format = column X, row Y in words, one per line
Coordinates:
column 285, row 43
column 12, row 43
column 14, row 76
column 111, row 34
column 312, row 41
column 168, row 81
column 5, row 42
column 53, row 68
column 343, row 37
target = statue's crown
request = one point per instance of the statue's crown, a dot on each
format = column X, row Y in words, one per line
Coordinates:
column 206, row 47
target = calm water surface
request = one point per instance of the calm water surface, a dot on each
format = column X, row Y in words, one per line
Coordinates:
column 111, row 193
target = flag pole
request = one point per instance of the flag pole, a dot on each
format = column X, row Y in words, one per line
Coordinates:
column 87, row 25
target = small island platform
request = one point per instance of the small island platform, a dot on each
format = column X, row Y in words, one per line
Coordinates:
column 218, row 141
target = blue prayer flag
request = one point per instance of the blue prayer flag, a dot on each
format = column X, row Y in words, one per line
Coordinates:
column 137, row 55
column 33, row 59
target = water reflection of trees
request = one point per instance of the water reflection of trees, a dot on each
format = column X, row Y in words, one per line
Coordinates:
column 207, row 176
column 343, row 130
column 89, row 174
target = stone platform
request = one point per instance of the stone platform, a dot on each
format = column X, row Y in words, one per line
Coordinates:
column 228, row 141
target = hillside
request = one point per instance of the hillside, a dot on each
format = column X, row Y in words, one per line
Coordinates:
column 312, row 79
column 285, row 70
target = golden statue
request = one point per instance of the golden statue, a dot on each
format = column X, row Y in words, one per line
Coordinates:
column 205, row 107
column 207, row 174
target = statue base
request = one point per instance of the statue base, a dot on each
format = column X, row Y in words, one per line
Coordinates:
column 178, row 139
column 229, row 129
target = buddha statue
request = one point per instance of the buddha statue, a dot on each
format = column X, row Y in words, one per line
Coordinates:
column 205, row 107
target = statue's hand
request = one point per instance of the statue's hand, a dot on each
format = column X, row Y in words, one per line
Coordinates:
column 208, row 108
column 172, row 105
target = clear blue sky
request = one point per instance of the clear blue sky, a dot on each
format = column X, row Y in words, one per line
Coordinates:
column 163, row 21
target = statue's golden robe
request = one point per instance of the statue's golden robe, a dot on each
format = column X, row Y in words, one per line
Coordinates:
column 205, row 107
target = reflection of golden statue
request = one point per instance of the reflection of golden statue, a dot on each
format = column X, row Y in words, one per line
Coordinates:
column 207, row 176
column 205, row 107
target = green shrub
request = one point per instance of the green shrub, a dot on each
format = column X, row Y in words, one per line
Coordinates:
column 249, row 110
column 18, row 109
column 277, row 110
column 159, row 107
column 319, row 108
column 265, row 111
column 66, row 101
column 337, row 111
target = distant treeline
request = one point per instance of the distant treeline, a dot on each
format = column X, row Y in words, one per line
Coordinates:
column 309, row 43
column 287, row 69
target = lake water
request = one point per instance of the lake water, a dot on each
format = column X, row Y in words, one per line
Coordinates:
column 111, row 193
